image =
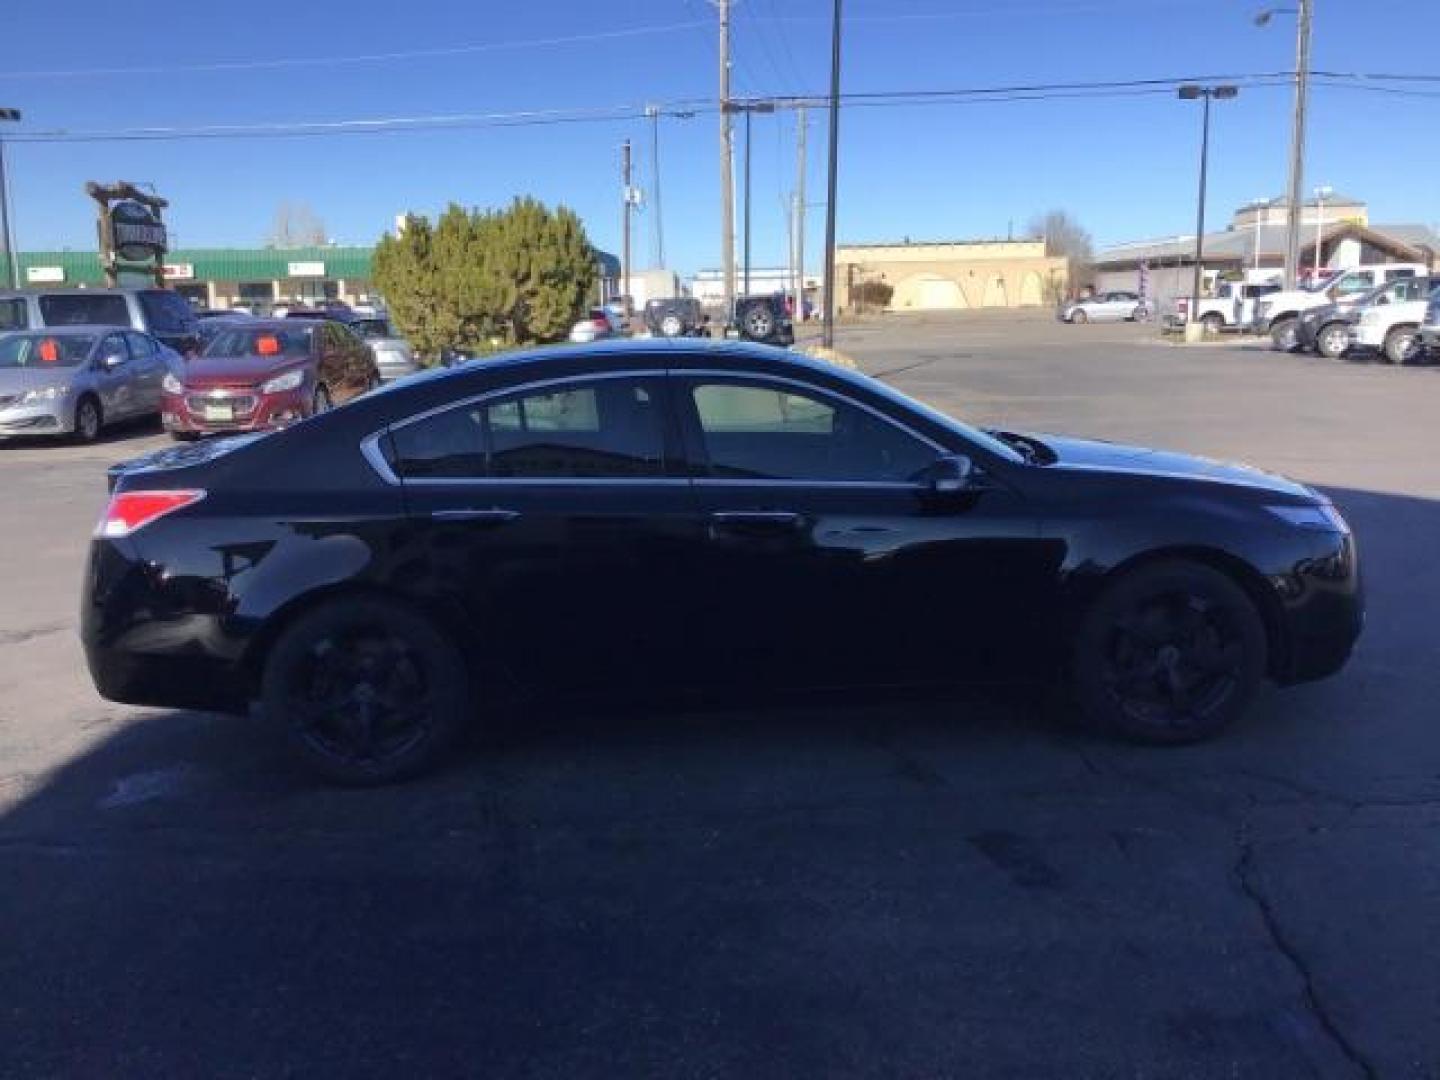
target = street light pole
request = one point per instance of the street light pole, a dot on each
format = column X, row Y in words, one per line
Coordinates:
column 1320, row 194
column 1189, row 93
column 7, row 230
column 828, row 330
column 746, row 290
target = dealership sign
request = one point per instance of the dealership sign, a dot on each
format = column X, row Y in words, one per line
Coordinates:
column 179, row 271
column 307, row 269
column 136, row 231
column 44, row 275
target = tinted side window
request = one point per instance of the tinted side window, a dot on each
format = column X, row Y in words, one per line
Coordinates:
column 80, row 309
column 763, row 432
column 160, row 315
column 12, row 315
column 598, row 429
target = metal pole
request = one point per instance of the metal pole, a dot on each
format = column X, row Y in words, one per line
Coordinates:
column 746, row 290
column 1200, row 213
column 800, row 119
column 829, row 328
column 1256, row 253
column 7, row 234
column 658, row 235
column 625, row 216
column 727, row 175
column 1297, row 145
column 1319, row 227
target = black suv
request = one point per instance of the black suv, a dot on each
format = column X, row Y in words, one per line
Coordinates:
column 765, row 319
column 678, row 316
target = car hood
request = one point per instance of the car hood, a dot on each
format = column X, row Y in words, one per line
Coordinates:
column 1092, row 455
column 235, row 370
column 18, row 380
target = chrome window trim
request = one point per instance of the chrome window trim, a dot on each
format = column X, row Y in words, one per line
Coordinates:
column 375, row 456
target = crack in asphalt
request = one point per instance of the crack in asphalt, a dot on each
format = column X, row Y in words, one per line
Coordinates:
column 1244, row 873
column 19, row 637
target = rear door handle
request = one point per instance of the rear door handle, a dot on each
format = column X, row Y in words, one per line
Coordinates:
column 493, row 516
column 757, row 520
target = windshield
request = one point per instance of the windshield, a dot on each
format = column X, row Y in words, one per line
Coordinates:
column 292, row 341
column 1320, row 284
column 44, row 351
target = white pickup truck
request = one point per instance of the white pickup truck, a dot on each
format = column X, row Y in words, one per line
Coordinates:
column 1232, row 306
column 1392, row 328
column 1279, row 313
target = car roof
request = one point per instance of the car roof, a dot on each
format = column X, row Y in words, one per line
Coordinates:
column 79, row 328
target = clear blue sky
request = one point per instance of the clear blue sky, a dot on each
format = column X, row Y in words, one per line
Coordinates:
column 1125, row 167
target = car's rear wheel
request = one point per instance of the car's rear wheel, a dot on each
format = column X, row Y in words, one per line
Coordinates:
column 672, row 326
column 366, row 690
column 1285, row 334
column 1079, row 317
column 1402, row 345
column 1333, row 340
column 1171, row 653
column 89, row 420
column 1213, row 324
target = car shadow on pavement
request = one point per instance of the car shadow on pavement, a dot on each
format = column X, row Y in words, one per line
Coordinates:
column 932, row 886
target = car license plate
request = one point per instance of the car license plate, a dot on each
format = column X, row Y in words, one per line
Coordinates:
column 214, row 413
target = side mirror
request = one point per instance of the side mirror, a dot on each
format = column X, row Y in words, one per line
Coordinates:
column 112, row 360
column 951, row 474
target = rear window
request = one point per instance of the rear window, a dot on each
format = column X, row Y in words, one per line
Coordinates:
column 12, row 315
column 84, row 309
column 166, row 312
column 262, row 341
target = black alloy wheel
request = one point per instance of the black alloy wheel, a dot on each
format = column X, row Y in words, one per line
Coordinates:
column 1172, row 653
column 367, row 691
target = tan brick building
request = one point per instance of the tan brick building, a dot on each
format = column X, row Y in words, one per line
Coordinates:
column 953, row 276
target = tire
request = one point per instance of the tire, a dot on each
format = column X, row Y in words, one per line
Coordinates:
column 1285, row 333
column 672, row 325
column 1171, row 653
column 1333, row 340
column 320, row 402
column 1402, row 345
column 758, row 322
column 89, row 419
column 1079, row 318
column 366, row 690
column 1213, row 324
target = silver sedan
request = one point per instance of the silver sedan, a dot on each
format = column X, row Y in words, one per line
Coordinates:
column 1104, row 307
column 74, row 380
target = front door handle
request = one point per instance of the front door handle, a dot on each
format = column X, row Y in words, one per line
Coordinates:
column 769, row 521
column 493, row 516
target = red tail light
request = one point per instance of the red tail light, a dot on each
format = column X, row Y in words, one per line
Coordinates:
column 601, row 325
column 130, row 511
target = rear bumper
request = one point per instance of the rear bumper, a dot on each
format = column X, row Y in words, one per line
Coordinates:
column 150, row 640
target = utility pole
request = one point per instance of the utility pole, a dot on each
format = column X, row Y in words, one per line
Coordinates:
column 657, row 232
column 745, row 290
column 625, row 193
column 1303, row 15
column 828, row 330
column 727, row 173
column 799, row 213
column 7, row 231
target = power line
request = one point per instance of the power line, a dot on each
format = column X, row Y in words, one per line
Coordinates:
column 629, row 113
column 360, row 58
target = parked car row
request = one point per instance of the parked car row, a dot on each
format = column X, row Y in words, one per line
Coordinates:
column 1385, row 321
column 1280, row 313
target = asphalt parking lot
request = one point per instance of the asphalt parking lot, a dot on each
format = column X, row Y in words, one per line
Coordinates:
column 929, row 888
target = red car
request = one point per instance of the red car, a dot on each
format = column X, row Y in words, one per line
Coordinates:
column 261, row 374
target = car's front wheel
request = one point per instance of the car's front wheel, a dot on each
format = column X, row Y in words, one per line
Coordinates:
column 672, row 326
column 1079, row 317
column 1173, row 652
column 1402, row 345
column 89, row 421
column 1285, row 334
column 1333, row 340
column 367, row 690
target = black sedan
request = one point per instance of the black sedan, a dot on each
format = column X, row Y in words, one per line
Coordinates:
column 671, row 515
